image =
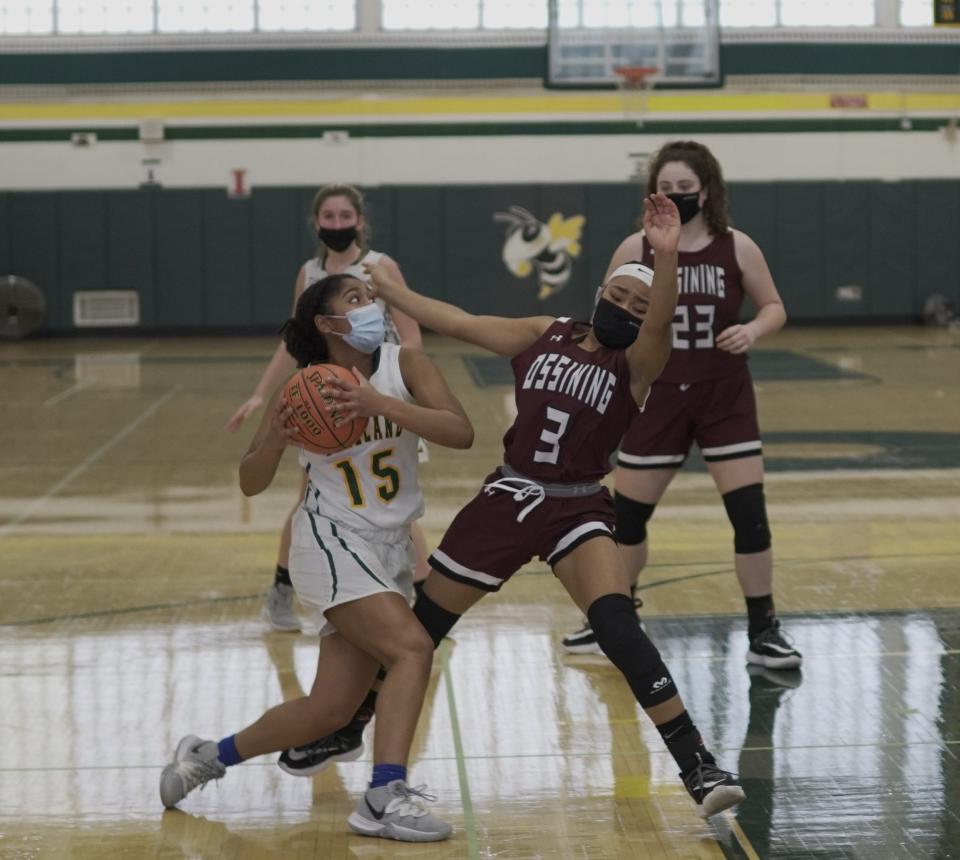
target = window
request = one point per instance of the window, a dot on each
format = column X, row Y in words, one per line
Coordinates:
column 45, row 17
column 430, row 14
column 827, row 13
column 276, row 15
column 748, row 13
column 87, row 16
column 210, row 16
column 916, row 13
column 24, row 17
column 514, row 14
column 797, row 13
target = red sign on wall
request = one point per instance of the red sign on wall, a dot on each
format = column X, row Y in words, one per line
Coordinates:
column 238, row 186
column 848, row 100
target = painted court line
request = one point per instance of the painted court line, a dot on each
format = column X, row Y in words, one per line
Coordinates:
column 69, row 392
column 10, row 526
column 740, row 836
column 469, row 825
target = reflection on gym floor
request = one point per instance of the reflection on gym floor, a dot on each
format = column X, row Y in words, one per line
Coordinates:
column 131, row 579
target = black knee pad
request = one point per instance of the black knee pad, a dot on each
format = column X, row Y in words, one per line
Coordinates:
column 747, row 512
column 617, row 628
column 436, row 620
column 632, row 519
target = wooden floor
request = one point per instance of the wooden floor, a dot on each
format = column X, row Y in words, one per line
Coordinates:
column 131, row 574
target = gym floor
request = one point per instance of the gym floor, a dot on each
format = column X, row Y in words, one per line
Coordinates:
column 132, row 572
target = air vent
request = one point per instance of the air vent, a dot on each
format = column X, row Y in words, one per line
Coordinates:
column 98, row 308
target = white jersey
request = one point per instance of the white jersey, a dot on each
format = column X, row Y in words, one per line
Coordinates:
column 313, row 271
column 372, row 485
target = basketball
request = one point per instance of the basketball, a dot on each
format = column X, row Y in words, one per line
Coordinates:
column 318, row 430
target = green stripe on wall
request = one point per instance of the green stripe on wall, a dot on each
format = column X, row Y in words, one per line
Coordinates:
column 487, row 129
column 478, row 63
column 840, row 58
column 273, row 65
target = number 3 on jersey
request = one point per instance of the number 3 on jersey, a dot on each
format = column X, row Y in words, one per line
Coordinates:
column 693, row 327
column 552, row 436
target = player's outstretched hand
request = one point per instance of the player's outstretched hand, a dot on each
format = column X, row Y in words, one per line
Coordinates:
column 382, row 280
column 244, row 412
column 360, row 400
column 661, row 223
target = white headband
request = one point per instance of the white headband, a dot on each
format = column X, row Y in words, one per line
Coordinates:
column 633, row 270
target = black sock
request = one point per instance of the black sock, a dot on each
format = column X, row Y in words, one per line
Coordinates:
column 366, row 710
column 418, row 587
column 760, row 613
column 282, row 576
column 684, row 742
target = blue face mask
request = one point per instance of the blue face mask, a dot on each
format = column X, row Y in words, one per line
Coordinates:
column 367, row 327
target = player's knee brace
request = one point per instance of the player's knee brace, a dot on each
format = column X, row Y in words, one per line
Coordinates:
column 436, row 620
column 632, row 519
column 617, row 628
column 747, row 512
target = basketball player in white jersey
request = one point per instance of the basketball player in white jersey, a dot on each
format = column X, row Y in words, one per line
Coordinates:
column 338, row 217
column 351, row 557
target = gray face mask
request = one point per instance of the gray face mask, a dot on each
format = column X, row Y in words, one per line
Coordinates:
column 367, row 327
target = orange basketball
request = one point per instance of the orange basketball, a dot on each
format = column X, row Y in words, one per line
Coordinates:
column 318, row 430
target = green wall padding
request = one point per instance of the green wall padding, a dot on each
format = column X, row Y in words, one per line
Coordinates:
column 203, row 261
column 227, row 260
column 33, row 241
column 180, row 246
column 892, row 258
column 130, row 248
column 277, row 224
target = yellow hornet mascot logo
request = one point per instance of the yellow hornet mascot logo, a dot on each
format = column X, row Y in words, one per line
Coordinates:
column 549, row 248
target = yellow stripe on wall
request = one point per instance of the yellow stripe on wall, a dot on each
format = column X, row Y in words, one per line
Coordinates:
column 573, row 105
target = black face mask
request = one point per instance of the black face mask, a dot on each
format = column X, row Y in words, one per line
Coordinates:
column 613, row 326
column 688, row 204
column 337, row 240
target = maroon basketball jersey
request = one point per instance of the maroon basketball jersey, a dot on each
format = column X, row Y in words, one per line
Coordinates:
column 573, row 407
column 711, row 292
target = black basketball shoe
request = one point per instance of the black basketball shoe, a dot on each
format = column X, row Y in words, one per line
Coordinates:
column 770, row 648
column 343, row 745
column 712, row 788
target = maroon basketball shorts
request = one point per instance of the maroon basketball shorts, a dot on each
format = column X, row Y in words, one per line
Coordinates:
column 720, row 415
column 485, row 545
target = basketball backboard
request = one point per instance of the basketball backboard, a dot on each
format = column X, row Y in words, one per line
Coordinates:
column 589, row 39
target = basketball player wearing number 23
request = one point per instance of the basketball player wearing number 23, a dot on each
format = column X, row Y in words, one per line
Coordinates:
column 705, row 394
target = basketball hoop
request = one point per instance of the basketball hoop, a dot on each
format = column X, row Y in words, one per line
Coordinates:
column 634, row 82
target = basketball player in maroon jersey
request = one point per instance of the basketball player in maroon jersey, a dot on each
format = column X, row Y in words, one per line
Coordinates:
column 578, row 387
column 705, row 394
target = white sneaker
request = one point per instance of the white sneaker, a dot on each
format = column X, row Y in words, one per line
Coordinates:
column 393, row 811
column 277, row 609
column 194, row 764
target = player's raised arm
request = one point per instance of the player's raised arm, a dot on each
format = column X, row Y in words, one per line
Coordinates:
column 650, row 351
column 502, row 335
